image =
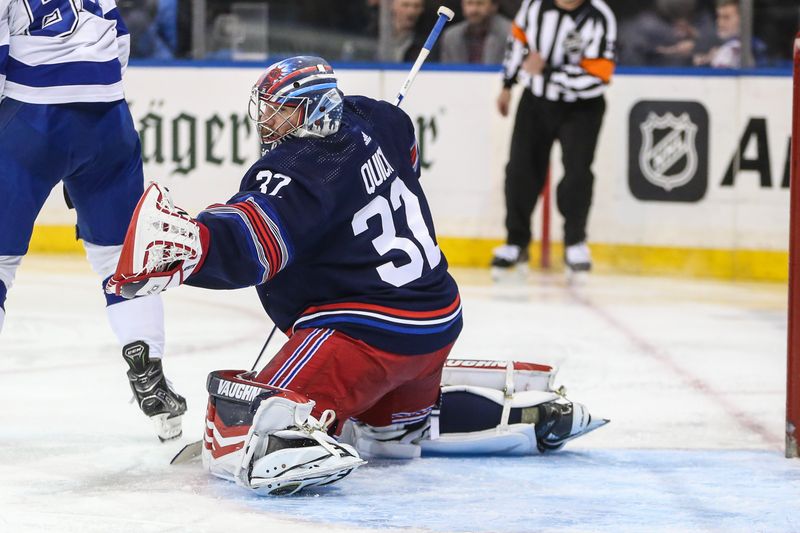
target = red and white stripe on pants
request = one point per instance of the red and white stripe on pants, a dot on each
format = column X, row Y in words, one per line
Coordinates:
column 355, row 379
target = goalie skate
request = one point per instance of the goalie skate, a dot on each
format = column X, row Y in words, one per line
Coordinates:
column 561, row 421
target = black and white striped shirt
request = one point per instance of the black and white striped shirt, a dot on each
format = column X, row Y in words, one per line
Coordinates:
column 578, row 47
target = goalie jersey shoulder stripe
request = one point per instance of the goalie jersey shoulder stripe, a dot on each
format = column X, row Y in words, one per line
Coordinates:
column 269, row 248
column 62, row 51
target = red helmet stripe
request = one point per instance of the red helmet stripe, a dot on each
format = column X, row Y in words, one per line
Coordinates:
column 282, row 82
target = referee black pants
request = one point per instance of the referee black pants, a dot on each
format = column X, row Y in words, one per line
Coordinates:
column 538, row 123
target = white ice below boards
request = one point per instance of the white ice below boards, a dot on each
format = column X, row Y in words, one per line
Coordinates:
column 692, row 374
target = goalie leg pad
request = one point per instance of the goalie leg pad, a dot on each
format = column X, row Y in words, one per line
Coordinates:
column 265, row 438
column 475, row 421
column 503, row 408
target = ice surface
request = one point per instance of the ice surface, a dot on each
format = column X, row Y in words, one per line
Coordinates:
column 691, row 373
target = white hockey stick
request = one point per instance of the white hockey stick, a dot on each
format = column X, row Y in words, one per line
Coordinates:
column 445, row 15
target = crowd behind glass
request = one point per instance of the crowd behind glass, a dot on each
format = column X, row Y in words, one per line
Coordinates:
column 653, row 33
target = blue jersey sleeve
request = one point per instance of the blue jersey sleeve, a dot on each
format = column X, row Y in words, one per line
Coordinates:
column 260, row 231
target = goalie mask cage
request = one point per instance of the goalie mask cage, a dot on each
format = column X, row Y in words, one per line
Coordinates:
column 793, row 345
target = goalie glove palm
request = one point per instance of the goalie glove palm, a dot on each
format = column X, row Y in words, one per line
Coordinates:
column 163, row 246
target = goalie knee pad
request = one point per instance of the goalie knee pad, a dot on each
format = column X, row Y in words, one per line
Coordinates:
column 398, row 441
column 499, row 408
column 265, row 438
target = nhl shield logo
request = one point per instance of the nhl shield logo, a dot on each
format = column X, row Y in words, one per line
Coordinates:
column 668, row 151
column 670, row 161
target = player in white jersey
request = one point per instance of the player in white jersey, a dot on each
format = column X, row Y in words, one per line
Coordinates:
column 63, row 117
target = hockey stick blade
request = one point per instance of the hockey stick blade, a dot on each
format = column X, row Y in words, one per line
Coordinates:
column 188, row 453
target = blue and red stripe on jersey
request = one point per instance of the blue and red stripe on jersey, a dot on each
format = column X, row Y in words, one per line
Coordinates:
column 382, row 317
column 411, row 417
column 269, row 245
column 299, row 358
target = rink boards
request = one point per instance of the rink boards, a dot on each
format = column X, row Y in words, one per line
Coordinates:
column 691, row 170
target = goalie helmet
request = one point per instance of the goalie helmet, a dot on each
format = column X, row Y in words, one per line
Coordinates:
column 296, row 96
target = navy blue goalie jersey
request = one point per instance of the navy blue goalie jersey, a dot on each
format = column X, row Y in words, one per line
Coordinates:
column 336, row 232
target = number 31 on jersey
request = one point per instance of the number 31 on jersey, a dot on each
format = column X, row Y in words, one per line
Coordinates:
column 388, row 240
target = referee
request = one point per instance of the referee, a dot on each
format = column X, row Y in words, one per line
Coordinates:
column 563, row 51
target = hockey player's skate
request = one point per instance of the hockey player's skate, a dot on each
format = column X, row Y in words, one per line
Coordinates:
column 509, row 262
column 560, row 421
column 578, row 262
column 153, row 392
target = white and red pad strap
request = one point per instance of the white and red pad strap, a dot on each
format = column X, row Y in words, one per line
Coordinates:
column 162, row 247
column 499, row 375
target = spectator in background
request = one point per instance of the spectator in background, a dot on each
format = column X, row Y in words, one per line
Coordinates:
column 508, row 8
column 669, row 36
column 153, row 27
column 403, row 43
column 728, row 54
column 479, row 38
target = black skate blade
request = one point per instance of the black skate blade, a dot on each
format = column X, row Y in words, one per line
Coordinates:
column 188, row 453
column 593, row 425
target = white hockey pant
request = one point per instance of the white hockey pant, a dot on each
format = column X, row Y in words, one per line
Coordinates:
column 140, row 319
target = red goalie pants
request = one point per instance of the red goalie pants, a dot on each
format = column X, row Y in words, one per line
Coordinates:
column 355, row 379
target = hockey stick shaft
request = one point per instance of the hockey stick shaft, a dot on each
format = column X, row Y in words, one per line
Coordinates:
column 193, row 450
column 263, row 348
column 445, row 15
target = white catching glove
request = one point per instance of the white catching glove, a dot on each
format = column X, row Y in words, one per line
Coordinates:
column 163, row 246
